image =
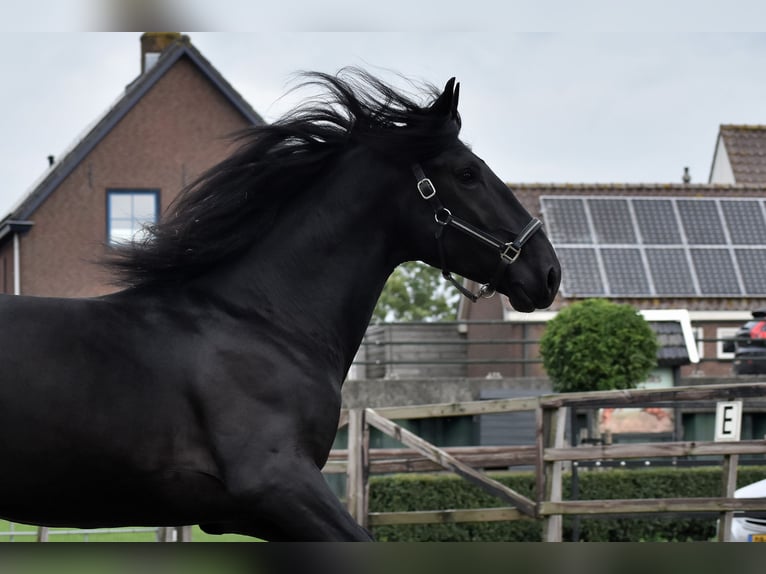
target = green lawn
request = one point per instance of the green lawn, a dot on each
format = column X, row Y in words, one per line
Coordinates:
column 24, row 533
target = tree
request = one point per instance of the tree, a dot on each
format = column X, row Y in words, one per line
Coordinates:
column 416, row 292
column 598, row 345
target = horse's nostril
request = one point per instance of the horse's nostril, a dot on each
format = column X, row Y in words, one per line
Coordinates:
column 554, row 276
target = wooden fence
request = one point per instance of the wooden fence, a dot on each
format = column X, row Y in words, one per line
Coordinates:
column 548, row 456
column 43, row 533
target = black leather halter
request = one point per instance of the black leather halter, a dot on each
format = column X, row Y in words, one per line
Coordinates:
column 508, row 251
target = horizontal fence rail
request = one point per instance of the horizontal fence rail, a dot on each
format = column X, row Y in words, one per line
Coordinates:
column 398, row 460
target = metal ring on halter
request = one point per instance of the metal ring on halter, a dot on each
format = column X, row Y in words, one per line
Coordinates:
column 486, row 292
column 447, row 216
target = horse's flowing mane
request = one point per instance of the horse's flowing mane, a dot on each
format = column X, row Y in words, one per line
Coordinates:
column 232, row 204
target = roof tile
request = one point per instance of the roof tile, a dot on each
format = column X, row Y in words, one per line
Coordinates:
column 746, row 148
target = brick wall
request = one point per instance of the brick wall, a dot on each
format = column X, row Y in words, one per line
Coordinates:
column 175, row 132
column 6, row 268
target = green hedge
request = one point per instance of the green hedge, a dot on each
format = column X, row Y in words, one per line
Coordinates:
column 441, row 492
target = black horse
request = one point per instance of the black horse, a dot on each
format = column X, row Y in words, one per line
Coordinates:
column 207, row 391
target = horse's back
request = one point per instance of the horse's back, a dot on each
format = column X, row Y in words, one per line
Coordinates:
column 48, row 346
column 79, row 394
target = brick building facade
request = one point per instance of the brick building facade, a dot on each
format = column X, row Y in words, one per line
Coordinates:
column 168, row 126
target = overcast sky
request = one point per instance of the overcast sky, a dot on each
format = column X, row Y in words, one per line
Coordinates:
column 595, row 107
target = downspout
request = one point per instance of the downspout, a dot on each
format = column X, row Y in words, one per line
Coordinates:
column 15, row 228
column 16, row 264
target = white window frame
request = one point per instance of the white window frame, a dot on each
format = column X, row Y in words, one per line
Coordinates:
column 724, row 333
column 136, row 224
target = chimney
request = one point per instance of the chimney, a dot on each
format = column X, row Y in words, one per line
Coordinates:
column 687, row 178
column 153, row 44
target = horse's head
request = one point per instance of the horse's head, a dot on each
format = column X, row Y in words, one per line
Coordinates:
column 478, row 229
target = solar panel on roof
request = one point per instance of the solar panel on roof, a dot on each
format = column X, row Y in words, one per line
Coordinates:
column 625, row 271
column 612, row 221
column 648, row 247
column 715, row 271
column 580, row 272
column 701, row 222
column 657, row 221
column 745, row 221
column 752, row 265
column 567, row 221
column 670, row 271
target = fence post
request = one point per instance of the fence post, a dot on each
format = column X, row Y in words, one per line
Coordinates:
column 729, row 475
column 357, row 487
column 184, row 534
column 42, row 534
column 553, row 525
column 539, row 465
column 165, row 534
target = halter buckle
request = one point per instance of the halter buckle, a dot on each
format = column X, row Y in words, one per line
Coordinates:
column 510, row 253
column 426, row 188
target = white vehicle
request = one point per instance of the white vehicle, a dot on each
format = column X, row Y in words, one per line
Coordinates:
column 750, row 526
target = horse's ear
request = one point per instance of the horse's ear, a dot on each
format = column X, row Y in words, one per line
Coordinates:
column 455, row 99
column 446, row 103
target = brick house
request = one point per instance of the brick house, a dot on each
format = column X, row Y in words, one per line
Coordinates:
column 698, row 248
column 167, row 127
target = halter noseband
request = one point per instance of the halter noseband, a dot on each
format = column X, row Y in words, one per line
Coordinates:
column 508, row 251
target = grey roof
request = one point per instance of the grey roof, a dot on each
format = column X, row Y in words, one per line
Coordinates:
column 182, row 48
column 672, row 350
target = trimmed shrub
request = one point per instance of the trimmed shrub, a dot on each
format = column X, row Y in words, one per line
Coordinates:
column 597, row 345
column 441, row 492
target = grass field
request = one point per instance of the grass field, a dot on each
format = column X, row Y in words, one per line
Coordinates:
column 23, row 533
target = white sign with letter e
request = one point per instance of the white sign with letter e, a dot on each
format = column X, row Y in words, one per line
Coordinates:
column 728, row 420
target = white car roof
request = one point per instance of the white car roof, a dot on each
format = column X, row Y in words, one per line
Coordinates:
column 755, row 490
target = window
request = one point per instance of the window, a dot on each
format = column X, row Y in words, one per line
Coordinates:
column 128, row 211
column 722, row 333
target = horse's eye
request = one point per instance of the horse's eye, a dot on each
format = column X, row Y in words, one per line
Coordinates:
column 466, row 175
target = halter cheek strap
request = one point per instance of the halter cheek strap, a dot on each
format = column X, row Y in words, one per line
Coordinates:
column 508, row 251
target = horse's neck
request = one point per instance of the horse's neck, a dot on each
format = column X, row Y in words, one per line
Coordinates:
column 319, row 272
